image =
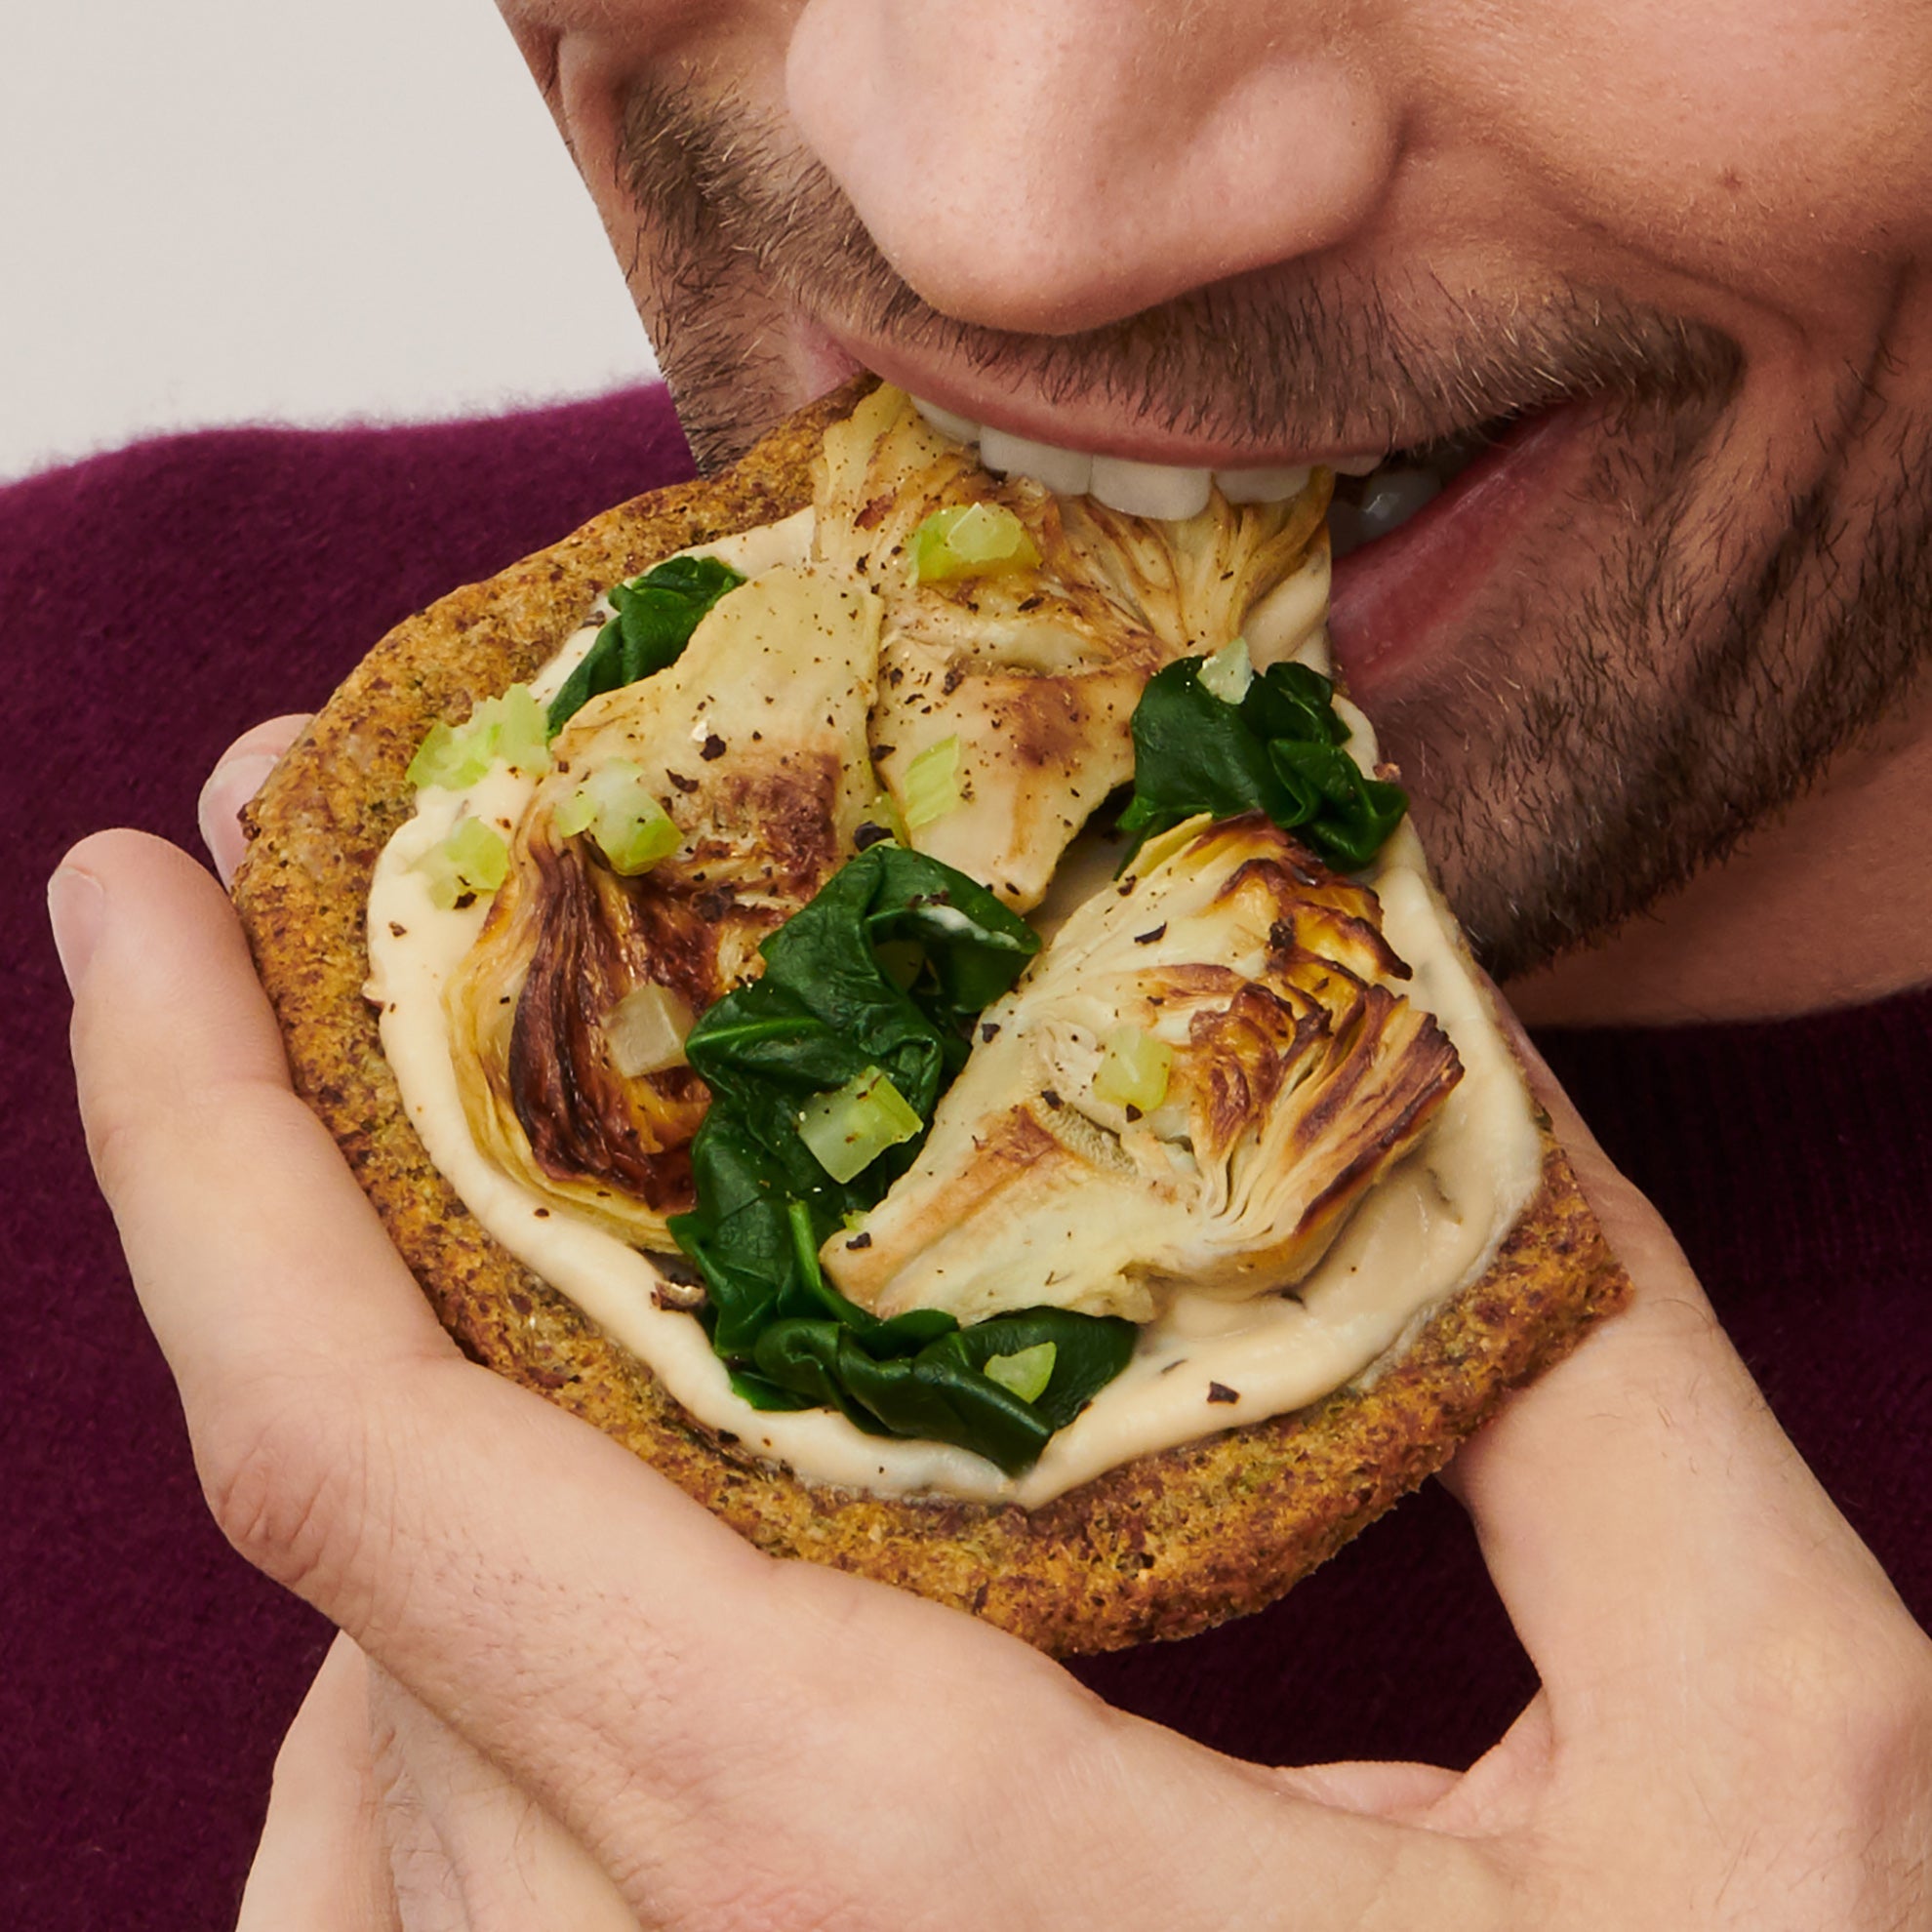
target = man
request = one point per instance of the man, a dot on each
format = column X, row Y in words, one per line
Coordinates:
column 1649, row 665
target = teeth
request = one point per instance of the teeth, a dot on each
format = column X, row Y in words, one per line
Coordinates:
column 1138, row 489
column 1066, row 471
column 1150, row 489
column 961, row 428
column 1261, row 486
column 1384, row 504
column 1355, row 466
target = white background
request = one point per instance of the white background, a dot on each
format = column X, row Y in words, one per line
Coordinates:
column 302, row 210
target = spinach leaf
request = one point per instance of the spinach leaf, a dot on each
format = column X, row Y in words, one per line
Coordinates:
column 654, row 616
column 1279, row 750
column 827, row 1007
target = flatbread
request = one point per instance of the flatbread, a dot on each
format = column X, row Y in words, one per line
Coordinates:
column 1162, row 1547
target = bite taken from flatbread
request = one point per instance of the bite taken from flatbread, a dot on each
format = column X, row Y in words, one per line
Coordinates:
column 911, row 1003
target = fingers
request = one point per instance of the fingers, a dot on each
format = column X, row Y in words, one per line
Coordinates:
column 471, row 1848
column 239, row 775
column 1639, row 1508
column 723, row 1735
column 323, row 1865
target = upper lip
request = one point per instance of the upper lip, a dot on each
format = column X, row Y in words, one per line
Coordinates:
column 1093, row 422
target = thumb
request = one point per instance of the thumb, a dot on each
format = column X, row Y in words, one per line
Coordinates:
column 1640, row 1504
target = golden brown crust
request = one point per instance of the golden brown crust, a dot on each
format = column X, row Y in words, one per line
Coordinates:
column 1164, row 1547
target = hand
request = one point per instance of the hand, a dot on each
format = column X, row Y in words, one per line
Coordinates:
column 585, row 1690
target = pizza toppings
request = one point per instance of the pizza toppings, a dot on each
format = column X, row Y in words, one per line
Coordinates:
column 471, row 860
column 1206, row 740
column 1202, row 1111
column 652, row 619
column 1031, row 672
column 824, row 1071
column 622, row 878
column 686, row 1016
column 507, row 729
column 971, row 539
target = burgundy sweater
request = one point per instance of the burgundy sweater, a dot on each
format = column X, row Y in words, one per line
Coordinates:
column 156, row 602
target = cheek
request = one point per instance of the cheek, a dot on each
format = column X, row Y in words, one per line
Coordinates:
column 1771, row 146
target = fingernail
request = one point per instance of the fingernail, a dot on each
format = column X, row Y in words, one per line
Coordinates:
column 230, row 785
column 76, row 910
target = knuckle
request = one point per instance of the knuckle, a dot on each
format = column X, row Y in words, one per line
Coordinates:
column 287, row 1478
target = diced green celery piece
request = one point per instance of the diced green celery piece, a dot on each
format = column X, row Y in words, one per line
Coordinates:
column 971, row 539
column 1026, row 1372
column 885, row 811
column 473, row 859
column 1228, row 673
column 1134, row 1068
column 480, row 854
column 575, row 814
column 511, row 729
column 850, row 1127
column 523, row 736
column 932, row 783
column 636, row 843
column 632, row 830
column 445, row 884
column 449, row 757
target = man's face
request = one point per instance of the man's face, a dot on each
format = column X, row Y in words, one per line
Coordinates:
column 1661, row 267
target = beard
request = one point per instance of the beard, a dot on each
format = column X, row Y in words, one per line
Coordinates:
column 1667, row 664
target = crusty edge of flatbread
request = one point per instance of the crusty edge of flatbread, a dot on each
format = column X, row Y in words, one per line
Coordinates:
column 1163, row 1547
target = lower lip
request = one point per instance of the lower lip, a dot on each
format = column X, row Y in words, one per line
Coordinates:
column 1395, row 601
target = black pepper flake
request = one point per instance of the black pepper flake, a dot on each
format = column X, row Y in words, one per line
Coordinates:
column 988, row 1029
column 1031, row 603
column 1219, row 1391
column 868, row 835
column 860, row 1242
column 543, row 1214
column 1153, row 933
column 1281, row 937
column 464, row 900
column 1052, row 1099
column 1132, row 1112
column 712, row 747
column 683, row 784
column 397, row 929
column 882, row 753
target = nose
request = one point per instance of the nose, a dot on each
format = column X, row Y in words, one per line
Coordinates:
column 1049, row 165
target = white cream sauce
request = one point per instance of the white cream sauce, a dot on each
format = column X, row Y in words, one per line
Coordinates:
column 1427, row 1230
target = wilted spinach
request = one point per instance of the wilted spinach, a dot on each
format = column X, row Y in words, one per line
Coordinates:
column 1279, row 750
column 654, row 618
column 827, row 1008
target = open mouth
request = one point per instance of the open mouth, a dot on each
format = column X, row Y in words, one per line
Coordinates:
column 1374, row 495
column 1376, row 499
column 1416, row 532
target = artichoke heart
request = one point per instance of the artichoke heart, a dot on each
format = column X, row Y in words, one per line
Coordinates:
column 1035, row 670
column 1295, row 1073
column 754, row 745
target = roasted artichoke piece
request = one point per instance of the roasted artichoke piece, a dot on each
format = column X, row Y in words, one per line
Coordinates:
column 1035, row 671
column 1244, row 998
column 754, row 743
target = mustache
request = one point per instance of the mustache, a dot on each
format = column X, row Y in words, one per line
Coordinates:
column 1307, row 352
